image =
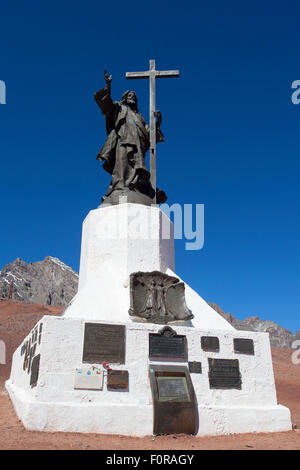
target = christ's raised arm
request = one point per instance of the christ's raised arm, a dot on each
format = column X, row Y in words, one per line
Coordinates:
column 103, row 98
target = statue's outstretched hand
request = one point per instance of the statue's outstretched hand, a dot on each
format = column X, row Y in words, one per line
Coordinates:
column 107, row 78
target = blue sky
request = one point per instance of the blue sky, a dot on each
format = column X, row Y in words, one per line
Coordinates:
column 232, row 134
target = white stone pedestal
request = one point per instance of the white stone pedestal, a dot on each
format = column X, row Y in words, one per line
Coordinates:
column 117, row 241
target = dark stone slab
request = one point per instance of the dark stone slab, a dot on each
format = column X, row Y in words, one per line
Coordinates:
column 210, row 343
column 174, row 400
column 118, row 380
column 195, row 367
column 167, row 344
column 224, row 373
column 104, row 342
column 35, row 368
column 243, row 346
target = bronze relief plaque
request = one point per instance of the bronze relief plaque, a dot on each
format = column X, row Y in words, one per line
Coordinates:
column 210, row 343
column 157, row 297
column 224, row 373
column 118, row 380
column 104, row 342
column 243, row 346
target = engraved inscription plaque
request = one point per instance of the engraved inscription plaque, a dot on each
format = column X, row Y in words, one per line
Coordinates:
column 117, row 380
column 243, row 346
column 104, row 342
column 195, row 367
column 35, row 368
column 224, row 373
column 210, row 343
column 167, row 344
column 174, row 400
column 172, row 388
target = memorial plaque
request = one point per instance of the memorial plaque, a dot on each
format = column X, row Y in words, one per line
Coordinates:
column 174, row 400
column 35, row 368
column 172, row 388
column 195, row 367
column 168, row 345
column 244, row 346
column 40, row 332
column 224, row 373
column 104, row 342
column 210, row 343
column 87, row 378
column 117, row 380
column 31, row 355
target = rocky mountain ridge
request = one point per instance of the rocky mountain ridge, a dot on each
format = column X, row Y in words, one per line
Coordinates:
column 279, row 337
column 51, row 282
column 47, row 282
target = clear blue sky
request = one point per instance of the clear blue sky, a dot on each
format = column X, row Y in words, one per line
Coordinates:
column 232, row 134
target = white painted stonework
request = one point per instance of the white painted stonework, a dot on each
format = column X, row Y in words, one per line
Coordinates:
column 117, row 241
column 107, row 260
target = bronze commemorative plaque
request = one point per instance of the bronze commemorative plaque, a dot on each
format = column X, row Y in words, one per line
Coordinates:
column 195, row 367
column 210, row 343
column 104, row 342
column 243, row 346
column 117, row 380
column 167, row 344
column 35, row 368
column 172, row 388
column 174, row 400
column 224, row 373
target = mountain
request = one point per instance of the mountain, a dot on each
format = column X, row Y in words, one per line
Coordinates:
column 47, row 282
column 51, row 282
column 279, row 337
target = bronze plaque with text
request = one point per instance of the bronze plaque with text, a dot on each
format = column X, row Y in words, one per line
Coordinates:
column 169, row 347
column 35, row 368
column 210, row 343
column 104, row 342
column 117, row 380
column 195, row 367
column 224, row 373
column 244, row 346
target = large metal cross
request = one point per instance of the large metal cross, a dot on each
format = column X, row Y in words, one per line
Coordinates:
column 152, row 74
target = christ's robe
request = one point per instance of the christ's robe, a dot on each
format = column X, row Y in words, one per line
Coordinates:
column 127, row 142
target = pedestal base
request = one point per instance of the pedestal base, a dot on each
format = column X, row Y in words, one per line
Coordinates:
column 53, row 404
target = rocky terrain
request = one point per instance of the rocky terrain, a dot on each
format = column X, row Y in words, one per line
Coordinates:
column 47, row 282
column 279, row 337
column 51, row 282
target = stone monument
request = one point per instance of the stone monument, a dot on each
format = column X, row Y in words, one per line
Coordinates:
column 137, row 351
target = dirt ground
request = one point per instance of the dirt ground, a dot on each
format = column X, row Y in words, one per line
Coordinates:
column 17, row 319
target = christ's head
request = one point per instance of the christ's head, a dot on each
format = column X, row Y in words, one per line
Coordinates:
column 129, row 98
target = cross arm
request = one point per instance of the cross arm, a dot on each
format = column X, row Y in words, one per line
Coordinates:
column 130, row 75
column 166, row 73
